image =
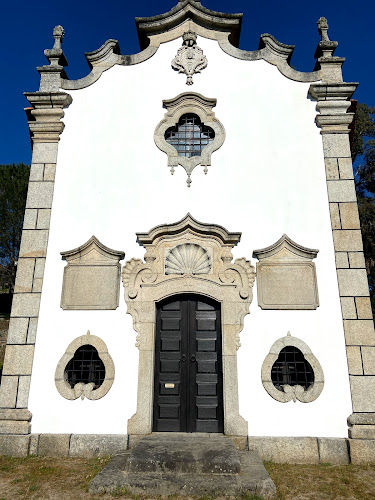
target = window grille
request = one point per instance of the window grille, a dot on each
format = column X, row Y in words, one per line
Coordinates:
column 189, row 136
column 86, row 366
column 291, row 368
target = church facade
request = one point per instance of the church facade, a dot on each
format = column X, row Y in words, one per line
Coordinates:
column 191, row 258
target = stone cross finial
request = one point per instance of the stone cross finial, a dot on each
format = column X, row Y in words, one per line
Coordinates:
column 323, row 29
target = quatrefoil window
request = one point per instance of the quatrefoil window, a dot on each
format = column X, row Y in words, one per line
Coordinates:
column 189, row 136
column 189, row 132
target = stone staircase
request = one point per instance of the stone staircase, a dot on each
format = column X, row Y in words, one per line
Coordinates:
column 185, row 464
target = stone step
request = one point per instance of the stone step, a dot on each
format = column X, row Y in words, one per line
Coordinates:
column 184, row 453
column 185, row 464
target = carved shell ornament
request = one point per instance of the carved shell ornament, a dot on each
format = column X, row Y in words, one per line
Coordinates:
column 187, row 258
column 190, row 58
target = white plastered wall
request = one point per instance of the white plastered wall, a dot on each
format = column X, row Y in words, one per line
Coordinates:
column 267, row 179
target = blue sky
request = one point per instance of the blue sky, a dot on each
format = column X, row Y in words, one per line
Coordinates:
column 26, row 30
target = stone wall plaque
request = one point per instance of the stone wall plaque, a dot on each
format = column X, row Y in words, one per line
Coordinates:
column 91, row 277
column 286, row 276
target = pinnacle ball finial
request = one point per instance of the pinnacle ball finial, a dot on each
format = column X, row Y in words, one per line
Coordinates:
column 58, row 35
column 323, row 29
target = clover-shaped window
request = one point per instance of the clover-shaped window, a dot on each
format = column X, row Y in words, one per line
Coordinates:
column 189, row 136
column 85, row 367
column 85, row 370
column 290, row 371
column 291, row 368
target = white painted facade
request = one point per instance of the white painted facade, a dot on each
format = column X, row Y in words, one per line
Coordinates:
column 267, row 179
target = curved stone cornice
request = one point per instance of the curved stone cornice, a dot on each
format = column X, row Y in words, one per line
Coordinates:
column 93, row 243
column 191, row 15
column 272, row 51
column 193, row 10
column 188, row 223
column 107, row 56
column 290, row 245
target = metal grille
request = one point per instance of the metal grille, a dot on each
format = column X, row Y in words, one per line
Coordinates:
column 86, row 366
column 189, row 136
column 291, row 368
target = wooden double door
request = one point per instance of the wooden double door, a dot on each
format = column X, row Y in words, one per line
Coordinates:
column 188, row 385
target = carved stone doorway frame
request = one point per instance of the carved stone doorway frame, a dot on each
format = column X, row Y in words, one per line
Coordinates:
column 188, row 243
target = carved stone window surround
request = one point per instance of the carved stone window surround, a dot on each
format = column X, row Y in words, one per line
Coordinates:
column 189, row 102
column 146, row 283
column 304, row 396
column 80, row 389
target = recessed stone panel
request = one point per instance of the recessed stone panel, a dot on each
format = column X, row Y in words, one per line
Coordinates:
column 287, row 286
column 286, row 277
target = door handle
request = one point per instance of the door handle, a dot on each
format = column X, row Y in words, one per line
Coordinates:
column 192, row 358
column 183, row 357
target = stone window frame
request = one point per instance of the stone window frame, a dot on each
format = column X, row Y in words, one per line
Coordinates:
column 146, row 284
column 80, row 389
column 303, row 395
column 189, row 102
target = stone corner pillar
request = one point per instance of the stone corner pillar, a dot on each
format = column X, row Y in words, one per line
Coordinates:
column 45, row 125
column 333, row 101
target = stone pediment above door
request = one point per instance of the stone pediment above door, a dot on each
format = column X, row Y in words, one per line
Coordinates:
column 184, row 254
column 188, row 257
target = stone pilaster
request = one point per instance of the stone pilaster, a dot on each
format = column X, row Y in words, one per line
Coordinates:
column 333, row 100
column 45, row 128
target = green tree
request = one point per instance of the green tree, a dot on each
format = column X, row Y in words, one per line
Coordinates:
column 363, row 155
column 13, row 190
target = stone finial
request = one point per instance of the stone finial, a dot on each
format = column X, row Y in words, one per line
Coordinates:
column 323, row 29
column 56, row 56
column 58, row 35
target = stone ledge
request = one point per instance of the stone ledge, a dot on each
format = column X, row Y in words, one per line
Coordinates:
column 301, row 450
column 361, row 419
column 307, row 450
column 15, row 414
column 14, row 446
column 95, row 445
column 292, row 450
column 362, row 451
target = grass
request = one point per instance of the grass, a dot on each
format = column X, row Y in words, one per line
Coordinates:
column 37, row 478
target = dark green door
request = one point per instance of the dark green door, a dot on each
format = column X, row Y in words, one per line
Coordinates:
column 188, row 394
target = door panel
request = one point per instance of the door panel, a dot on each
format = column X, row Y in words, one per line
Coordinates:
column 188, row 369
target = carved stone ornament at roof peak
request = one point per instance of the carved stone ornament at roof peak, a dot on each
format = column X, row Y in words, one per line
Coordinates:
column 56, row 56
column 190, row 58
column 323, row 29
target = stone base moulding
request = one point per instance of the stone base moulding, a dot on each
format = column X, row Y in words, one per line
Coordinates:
column 293, row 450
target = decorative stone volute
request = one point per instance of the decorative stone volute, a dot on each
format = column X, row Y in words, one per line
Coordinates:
column 203, row 265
